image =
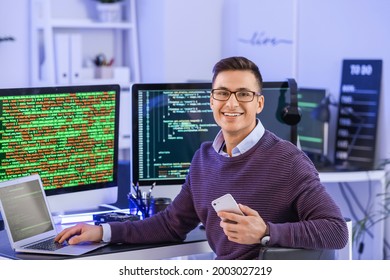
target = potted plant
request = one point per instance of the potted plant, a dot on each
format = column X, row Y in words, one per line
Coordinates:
column 365, row 224
column 109, row 10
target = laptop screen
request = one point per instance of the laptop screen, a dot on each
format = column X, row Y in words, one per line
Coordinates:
column 25, row 209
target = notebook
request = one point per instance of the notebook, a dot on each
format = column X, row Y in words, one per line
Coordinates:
column 28, row 221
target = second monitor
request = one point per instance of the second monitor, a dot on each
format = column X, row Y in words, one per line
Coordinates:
column 312, row 132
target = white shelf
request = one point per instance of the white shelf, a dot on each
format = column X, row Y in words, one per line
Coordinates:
column 90, row 24
column 118, row 40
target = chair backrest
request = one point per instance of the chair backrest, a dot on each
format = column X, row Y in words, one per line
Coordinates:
column 280, row 253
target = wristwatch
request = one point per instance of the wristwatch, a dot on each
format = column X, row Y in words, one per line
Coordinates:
column 265, row 239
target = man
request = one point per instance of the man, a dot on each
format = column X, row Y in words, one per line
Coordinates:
column 277, row 186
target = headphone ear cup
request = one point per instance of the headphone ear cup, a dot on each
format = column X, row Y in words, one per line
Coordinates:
column 291, row 115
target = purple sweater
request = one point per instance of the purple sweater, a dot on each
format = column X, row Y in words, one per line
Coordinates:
column 273, row 177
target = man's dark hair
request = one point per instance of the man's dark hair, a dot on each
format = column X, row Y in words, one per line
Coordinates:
column 238, row 63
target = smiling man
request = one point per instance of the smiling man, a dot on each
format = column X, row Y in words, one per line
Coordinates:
column 236, row 116
column 277, row 186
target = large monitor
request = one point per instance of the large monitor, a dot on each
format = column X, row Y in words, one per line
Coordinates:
column 69, row 136
column 312, row 133
column 170, row 121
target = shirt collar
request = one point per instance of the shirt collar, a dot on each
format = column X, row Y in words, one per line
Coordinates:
column 244, row 145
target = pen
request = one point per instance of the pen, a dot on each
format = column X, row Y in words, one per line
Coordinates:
column 139, row 195
column 150, row 190
column 111, row 62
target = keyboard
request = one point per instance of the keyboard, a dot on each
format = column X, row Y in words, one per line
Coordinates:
column 114, row 217
column 47, row 245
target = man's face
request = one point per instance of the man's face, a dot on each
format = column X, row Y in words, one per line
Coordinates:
column 236, row 119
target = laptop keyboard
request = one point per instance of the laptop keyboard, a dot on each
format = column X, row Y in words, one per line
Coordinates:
column 47, row 245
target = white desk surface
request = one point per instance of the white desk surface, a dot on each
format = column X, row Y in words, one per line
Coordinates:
column 352, row 176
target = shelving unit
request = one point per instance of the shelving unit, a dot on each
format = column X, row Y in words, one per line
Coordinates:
column 117, row 39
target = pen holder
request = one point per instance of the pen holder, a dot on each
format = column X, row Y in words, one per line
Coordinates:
column 133, row 208
column 104, row 72
column 141, row 207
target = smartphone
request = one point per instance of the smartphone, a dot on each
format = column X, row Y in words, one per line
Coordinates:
column 226, row 203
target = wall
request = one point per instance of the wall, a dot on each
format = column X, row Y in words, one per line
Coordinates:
column 179, row 40
column 263, row 31
column 330, row 31
column 14, row 56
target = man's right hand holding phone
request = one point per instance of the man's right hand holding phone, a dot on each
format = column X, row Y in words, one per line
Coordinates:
column 247, row 229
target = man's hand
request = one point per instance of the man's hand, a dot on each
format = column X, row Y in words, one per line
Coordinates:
column 80, row 233
column 248, row 229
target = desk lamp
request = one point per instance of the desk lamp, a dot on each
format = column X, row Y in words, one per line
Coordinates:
column 322, row 114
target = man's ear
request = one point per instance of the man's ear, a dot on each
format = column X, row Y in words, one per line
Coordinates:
column 260, row 103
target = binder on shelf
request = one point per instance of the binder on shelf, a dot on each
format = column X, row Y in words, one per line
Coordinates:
column 75, row 58
column 62, row 58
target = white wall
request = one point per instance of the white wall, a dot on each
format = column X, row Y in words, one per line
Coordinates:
column 179, row 40
column 263, row 31
column 14, row 56
column 333, row 30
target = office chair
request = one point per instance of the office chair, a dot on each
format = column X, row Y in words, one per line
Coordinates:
column 281, row 253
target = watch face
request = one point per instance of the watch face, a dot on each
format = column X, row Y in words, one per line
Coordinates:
column 265, row 240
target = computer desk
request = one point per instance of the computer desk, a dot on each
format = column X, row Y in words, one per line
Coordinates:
column 194, row 244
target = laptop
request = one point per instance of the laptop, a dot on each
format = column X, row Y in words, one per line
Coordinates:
column 28, row 221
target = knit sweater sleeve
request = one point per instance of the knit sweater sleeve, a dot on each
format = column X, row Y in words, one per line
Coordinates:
column 320, row 222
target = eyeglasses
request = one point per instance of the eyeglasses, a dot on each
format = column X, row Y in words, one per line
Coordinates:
column 241, row 95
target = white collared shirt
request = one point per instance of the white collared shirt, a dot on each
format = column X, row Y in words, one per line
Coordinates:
column 244, row 145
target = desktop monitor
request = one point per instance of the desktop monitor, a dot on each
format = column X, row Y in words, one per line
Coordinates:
column 68, row 135
column 170, row 121
column 312, row 133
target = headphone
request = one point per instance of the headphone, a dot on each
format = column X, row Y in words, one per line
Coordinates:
column 291, row 114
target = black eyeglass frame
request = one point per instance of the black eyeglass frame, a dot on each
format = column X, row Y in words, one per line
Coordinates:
column 235, row 94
